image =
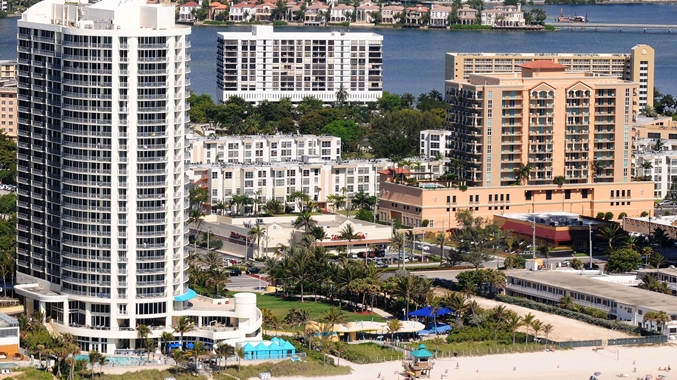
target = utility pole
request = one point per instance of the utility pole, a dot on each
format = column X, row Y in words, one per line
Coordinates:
column 533, row 238
column 208, row 230
column 590, row 243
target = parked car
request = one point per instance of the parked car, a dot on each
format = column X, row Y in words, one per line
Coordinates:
column 235, row 272
column 253, row 270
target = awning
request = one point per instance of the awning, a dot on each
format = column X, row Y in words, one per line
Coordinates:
column 185, row 297
column 428, row 312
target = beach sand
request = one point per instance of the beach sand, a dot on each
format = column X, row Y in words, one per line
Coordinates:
column 572, row 364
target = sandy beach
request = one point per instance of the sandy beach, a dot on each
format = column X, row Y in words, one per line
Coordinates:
column 559, row 365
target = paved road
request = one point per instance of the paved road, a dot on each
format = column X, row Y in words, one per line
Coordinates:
column 246, row 283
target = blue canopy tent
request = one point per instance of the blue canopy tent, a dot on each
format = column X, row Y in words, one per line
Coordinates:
column 427, row 312
column 248, row 351
column 430, row 312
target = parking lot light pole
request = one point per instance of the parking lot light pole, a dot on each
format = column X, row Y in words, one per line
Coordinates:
column 590, row 243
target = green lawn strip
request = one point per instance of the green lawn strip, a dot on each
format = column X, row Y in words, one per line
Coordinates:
column 474, row 348
column 279, row 305
column 284, row 368
column 365, row 353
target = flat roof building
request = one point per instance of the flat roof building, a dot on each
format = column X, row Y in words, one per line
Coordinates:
column 624, row 303
column 8, row 107
column 8, row 69
column 267, row 65
column 557, row 122
column 635, row 66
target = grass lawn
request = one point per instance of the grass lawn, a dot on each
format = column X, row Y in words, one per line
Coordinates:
column 307, row 368
column 370, row 353
column 474, row 348
column 279, row 305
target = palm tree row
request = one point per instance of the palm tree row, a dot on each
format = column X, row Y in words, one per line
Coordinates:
column 207, row 275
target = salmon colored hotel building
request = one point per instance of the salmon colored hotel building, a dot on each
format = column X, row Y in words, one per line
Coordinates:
column 562, row 124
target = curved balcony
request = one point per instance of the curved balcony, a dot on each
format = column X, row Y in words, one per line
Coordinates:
column 151, row 184
column 152, row 84
column 152, row 295
column 80, row 157
column 79, row 132
column 151, row 221
column 71, row 144
column 82, row 244
column 78, row 256
column 152, row 147
column 151, row 258
column 152, row 159
column 71, row 181
column 152, row 96
column 78, row 169
column 73, row 107
column 152, row 270
column 80, row 70
column 87, row 121
column 86, row 195
column 151, row 122
column 85, row 294
column 74, row 280
column 151, row 283
column 85, row 232
column 85, row 269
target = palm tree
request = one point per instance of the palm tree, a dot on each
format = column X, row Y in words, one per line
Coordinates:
column 151, row 345
column 275, row 323
column 332, row 317
column 363, row 200
column 93, row 358
column 305, row 220
column 397, row 242
column 273, row 207
column 212, row 260
column 662, row 318
column 103, row 360
column 339, row 347
column 611, row 233
column 441, row 239
column 166, row 337
column 348, row 233
column 142, row 332
column 566, row 302
column 657, row 260
column 180, row 356
column 195, row 217
column 183, row 325
column 218, row 277
column 513, row 323
column 650, row 317
column 257, row 233
column 394, row 325
column 646, row 166
column 522, row 173
column 537, row 326
column 457, row 302
column 528, row 321
column 225, row 351
column 547, row 329
column 301, row 261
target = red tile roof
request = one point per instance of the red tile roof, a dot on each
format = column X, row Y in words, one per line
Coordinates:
column 190, row 4
column 543, row 64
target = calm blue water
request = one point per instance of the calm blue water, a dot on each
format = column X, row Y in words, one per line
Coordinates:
column 414, row 59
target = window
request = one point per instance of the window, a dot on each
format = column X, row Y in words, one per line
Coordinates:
column 567, row 194
column 215, row 175
column 584, row 193
column 548, row 195
column 527, row 195
column 228, row 175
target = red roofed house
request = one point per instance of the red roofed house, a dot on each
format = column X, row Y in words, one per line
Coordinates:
column 216, row 9
column 186, row 11
column 390, row 14
column 241, row 12
column 414, row 16
column 315, row 13
column 365, row 12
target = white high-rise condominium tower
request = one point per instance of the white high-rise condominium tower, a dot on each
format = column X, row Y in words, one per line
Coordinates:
column 266, row 65
column 102, row 235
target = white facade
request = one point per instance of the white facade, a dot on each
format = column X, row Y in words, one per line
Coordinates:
column 102, row 236
column 276, row 180
column 260, row 148
column 186, row 11
column 503, row 15
column 266, row 65
column 434, row 143
column 662, row 171
column 439, row 16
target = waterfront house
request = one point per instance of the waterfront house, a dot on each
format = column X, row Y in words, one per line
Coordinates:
column 415, row 16
column 341, row 13
column 365, row 12
column 241, row 12
column 503, row 16
column 390, row 14
column 439, row 16
column 467, row 15
column 315, row 14
column 186, row 11
column 216, row 9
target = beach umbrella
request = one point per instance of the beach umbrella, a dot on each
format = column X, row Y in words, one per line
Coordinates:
column 597, row 373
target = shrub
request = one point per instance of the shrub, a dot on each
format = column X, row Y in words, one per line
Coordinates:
column 425, row 223
column 609, row 215
column 606, row 323
column 622, row 215
column 644, row 214
column 279, row 23
column 600, row 215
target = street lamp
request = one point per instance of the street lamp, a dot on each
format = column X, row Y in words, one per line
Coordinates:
column 590, row 243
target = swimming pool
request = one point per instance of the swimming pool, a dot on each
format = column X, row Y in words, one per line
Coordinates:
column 120, row 360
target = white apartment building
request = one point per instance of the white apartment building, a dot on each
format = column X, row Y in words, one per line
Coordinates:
column 261, row 148
column 102, row 200
column 503, row 15
column 276, row 180
column 315, row 177
column 434, row 143
column 267, row 65
column 662, row 170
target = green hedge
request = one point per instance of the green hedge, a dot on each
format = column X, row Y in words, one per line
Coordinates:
column 609, row 324
column 279, row 23
column 469, row 27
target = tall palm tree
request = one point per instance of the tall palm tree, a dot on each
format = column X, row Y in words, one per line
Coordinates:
column 528, row 320
column 567, row 302
column 348, row 233
column 547, row 329
column 301, row 261
column 332, row 317
column 398, row 242
column 142, row 332
column 218, row 277
column 305, row 220
column 183, row 326
column 339, row 347
column 441, row 239
column 102, row 361
column 224, row 350
column 93, row 358
column 166, row 337
column 611, row 233
column 212, row 260
column 457, row 302
column 657, row 260
column 363, row 200
column 394, row 325
column 513, row 322
column 257, row 233
column 522, row 173
column 195, row 217
column 537, row 326
column 239, row 351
